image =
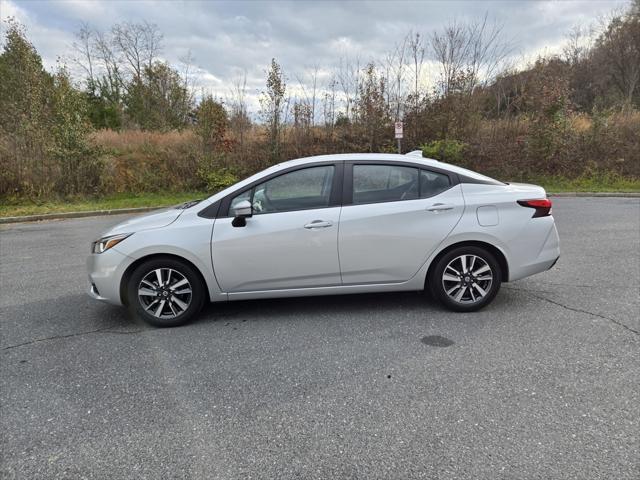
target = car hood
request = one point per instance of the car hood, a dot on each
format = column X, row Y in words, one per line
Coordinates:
column 155, row 219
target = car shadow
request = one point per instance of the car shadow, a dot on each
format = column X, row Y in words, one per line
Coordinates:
column 76, row 314
column 294, row 307
column 390, row 304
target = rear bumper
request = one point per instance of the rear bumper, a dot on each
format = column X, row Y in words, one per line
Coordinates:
column 545, row 259
column 105, row 273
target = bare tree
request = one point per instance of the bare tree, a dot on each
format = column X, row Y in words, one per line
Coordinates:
column 139, row 44
column 304, row 99
column 417, row 52
column 618, row 49
column 314, row 92
column 310, row 94
column 579, row 43
column 394, row 68
column 488, row 51
column 348, row 77
column 469, row 54
column 329, row 104
column 188, row 79
column 84, row 52
column 239, row 118
column 110, row 83
column 450, row 48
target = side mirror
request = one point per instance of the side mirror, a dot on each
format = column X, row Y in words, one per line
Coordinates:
column 241, row 212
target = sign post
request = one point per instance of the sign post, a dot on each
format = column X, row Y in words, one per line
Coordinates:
column 398, row 126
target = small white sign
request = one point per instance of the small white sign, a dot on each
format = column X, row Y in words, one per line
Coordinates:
column 398, row 129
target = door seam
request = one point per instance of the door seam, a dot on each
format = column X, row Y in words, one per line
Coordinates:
column 338, row 244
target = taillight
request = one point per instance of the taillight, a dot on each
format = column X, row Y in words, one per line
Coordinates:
column 542, row 206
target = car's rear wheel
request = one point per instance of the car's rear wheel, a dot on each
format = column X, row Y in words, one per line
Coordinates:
column 465, row 279
column 165, row 292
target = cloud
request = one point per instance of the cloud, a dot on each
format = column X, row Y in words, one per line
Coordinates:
column 50, row 40
column 229, row 39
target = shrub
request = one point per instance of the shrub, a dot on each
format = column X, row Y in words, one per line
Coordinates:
column 80, row 168
column 216, row 180
column 213, row 176
column 452, row 151
column 212, row 124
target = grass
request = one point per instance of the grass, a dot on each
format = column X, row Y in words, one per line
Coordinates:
column 588, row 183
column 552, row 184
column 15, row 208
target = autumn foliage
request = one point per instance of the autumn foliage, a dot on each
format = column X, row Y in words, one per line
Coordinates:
column 138, row 126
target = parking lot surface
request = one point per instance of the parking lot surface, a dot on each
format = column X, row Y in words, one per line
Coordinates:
column 543, row 383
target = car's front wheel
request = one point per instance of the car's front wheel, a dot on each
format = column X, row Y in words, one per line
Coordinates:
column 165, row 292
column 465, row 279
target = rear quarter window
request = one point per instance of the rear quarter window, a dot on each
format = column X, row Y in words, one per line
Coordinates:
column 433, row 183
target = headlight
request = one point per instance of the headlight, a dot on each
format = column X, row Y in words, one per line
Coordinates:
column 105, row 243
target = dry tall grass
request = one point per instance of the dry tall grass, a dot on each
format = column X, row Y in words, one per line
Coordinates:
column 570, row 147
column 506, row 148
column 140, row 161
column 136, row 140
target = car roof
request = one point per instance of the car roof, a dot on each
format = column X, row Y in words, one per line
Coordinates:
column 412, row 157
column 389, row 157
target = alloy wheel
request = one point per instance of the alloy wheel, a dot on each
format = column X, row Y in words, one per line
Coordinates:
column 165, row 293
column 467, row 279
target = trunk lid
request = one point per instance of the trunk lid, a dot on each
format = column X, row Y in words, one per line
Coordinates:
column 527, row 191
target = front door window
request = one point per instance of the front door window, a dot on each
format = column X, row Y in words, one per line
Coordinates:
column 303, row 189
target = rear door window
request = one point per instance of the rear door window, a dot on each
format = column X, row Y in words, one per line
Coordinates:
column 384, row 183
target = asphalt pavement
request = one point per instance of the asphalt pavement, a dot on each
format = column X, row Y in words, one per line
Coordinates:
column 543, row 383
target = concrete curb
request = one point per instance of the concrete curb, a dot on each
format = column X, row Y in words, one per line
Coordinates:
column 121, row 211
column 595, row 194
column 63, row 215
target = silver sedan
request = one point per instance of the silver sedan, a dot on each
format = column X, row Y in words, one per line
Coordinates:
column 329, row 225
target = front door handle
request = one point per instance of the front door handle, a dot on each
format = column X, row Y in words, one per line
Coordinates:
column 318, row 224
column 439, row 207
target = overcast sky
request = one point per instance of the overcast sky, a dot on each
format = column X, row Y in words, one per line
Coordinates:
column 229, row 38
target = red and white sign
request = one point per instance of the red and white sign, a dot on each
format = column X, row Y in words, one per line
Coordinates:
column 398, row 129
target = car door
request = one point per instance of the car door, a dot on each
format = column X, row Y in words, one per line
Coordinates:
column 394, row 217
column 291, row 239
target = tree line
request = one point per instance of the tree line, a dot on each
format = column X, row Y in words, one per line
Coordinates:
column 567, row 114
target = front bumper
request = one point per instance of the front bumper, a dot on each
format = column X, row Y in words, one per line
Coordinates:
column 105, row 274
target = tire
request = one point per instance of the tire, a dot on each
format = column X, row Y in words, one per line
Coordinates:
column 475, row 289
column 174, row 302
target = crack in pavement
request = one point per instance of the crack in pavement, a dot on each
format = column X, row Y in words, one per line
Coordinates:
column 610, row 286
column 132, row 332
column 77, row 334
column 578, row 310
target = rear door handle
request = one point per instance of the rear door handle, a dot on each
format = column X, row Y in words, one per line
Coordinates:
column 318, row 224
column 439, row 207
